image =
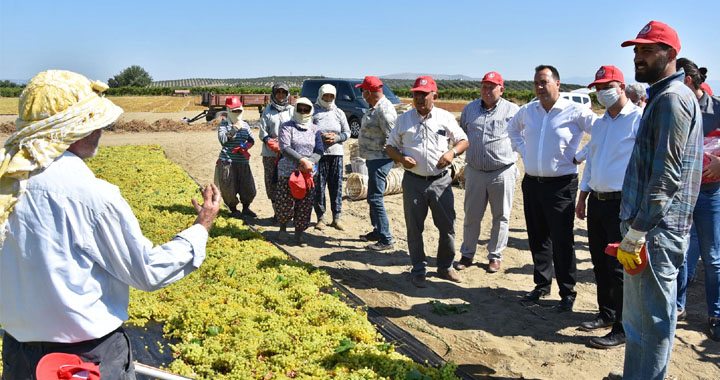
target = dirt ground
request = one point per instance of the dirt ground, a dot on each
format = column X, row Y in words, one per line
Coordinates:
column 499, row 337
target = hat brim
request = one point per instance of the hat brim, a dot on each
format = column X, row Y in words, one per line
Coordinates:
column 499, row 83
column 423, row 89
column 638, row 41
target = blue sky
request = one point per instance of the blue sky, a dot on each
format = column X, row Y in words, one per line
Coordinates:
column 241, row 39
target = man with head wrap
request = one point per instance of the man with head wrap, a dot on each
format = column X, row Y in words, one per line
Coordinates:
column 71, row 246
column 301, row 146
column 278, row 112
column 333, row 125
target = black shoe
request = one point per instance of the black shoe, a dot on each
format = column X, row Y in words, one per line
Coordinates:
column 535, row 295
column 597, row 323
column 612, row 339
column 419, row 280
column 682, row 315
column 464, row 263
column 247, row 212
column 236, row 214
column 379, row 247
column 566, row 304
column 371, row 236
column 714, row 333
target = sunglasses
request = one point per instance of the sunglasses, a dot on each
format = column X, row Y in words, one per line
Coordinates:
column 303, row 109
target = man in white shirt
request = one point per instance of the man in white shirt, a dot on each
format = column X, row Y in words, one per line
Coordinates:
column 547, row 133
column 420, row 142
column 609, row 152
column 71, row 246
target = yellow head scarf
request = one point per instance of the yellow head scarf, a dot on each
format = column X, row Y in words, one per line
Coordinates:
column 56, row 109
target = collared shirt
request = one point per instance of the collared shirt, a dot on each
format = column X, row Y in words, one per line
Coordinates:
column 547, row 141
column 663, row 176
column 426, row 139
column 710, row 108
column 270, row 122
column 490, row 147
column 376, row 124
column 303, row 139
column 72, row 248
column 332, row 120
column 235, row 135
column 609, row 150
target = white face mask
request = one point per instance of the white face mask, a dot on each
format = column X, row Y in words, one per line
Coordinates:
column 234, row 117
column 302, row 118
column 608, row 97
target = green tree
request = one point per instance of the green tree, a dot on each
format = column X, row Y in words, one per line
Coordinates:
column 133, row 76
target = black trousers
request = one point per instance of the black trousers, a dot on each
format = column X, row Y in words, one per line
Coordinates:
column 112, row 353
column 549, row 215
column 603, row 223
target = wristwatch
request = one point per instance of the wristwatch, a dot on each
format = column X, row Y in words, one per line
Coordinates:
column 455, row 153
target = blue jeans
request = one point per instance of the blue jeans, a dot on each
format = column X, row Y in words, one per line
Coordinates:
column 649, row 314
column 377, row 177
column 705, row 241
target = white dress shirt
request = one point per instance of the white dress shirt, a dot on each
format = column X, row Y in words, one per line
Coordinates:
column 425, row 139
column 547, row 141
column 72, row 248
column 609, row 150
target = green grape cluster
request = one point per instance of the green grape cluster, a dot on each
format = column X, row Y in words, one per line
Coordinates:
column 249, row 312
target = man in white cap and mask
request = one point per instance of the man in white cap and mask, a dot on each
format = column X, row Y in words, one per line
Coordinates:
column 71, row 246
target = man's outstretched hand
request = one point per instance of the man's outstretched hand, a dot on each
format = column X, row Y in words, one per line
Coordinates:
column 210, row 207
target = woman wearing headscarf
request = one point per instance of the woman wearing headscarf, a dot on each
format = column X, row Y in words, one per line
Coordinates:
column 278, row 112
column 333, row 126
column 301, row 146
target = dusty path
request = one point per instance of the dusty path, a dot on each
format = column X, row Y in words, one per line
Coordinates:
column 499, row 337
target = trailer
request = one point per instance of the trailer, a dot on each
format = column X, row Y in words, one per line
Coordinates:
column 215, row 104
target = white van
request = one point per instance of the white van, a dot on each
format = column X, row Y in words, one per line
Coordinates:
column 577, row 97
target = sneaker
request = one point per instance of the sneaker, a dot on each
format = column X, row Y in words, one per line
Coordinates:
column 247, row 212
column 449, row 274
column 612, row 339
column 615, row 375
column 714, row 333
column 419, row 280
column 535, row 295
column 337, row 225
column 379, row 247
column 282, row 235
column 464, row 263
column 566, row 304
column 494, row 265
column 371, row 236
column 597, row 323
column 319, row 225
column 682, row 315
column 236, row 214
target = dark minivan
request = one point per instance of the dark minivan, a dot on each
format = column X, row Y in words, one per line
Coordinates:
column 348, row 98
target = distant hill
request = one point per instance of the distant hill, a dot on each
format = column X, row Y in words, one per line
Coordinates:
column 413, row 76
column 292, row 81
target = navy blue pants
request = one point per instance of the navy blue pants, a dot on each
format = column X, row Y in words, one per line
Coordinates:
column 330, row 173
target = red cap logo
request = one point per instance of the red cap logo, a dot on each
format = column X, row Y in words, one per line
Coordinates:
column 645, row 30
column 606, row 74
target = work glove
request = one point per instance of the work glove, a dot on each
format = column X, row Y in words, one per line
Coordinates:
column 629, row 251
column 243, row 149
column 273, row 145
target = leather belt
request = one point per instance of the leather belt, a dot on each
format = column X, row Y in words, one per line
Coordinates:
column 612, row 196
column 427, row 177
column 550, row 179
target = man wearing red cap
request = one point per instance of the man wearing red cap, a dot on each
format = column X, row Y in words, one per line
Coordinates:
column 658, row 196
column 490, row 172
column 375, row 129
column 547, row 134
column 609, row 150
column 420, row 142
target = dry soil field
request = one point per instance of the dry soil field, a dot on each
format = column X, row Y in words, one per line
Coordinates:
column 499, row 337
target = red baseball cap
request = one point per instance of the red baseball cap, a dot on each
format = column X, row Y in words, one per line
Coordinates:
column 654, row 32
column 370, row 83
column 706, row 87
column 607, row 74
column 58, row 366
column 233, row 103
column 424, row 84
column 493, row 77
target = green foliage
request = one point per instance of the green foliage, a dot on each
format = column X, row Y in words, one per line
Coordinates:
column 519, row 96
column 292, row 81
column 440, row 308
column 10, row 92
column 7, row 83
column 133, row 76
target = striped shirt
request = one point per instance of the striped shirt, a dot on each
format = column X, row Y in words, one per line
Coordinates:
column 377, row 122
column 490, row 147
column 662, row 179
column 235, row 137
